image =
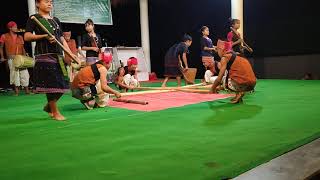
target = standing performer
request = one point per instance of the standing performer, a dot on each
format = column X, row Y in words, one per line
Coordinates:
column 50, row 75
column 14, row 45
column 173, row 60
column 131, row 73
column 90, row 84
column 233, row 36
column 207, row 47
column 91, row 43
column 241, row 77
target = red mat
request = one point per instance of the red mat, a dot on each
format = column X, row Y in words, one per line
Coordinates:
column 165, row 100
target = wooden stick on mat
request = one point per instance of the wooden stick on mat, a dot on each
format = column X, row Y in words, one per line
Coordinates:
column 199, row 87
column 168, row 88
column 131, row 101
column 163, row 90
column 143, row 92
column 202, row 91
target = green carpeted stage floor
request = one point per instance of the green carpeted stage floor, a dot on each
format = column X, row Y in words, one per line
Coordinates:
column 206, row 141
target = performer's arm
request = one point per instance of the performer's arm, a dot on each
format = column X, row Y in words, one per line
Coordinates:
column 230, row 36
column 28, row 36
column 121, row 84
column 205, row 46
column 209, row 49
column 185, row 60
column 104, row 84
column 239, row 41
column 217, row 82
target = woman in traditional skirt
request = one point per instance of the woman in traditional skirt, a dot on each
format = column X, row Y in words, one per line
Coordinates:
column 50, row 75
column 206, row 43
column 240, row 78
column 173, row 60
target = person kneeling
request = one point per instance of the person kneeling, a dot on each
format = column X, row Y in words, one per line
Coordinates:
column 90, row 84
column 241, row 77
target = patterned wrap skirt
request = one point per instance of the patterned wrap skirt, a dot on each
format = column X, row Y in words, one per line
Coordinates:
column 48, row 76
column 171, row 65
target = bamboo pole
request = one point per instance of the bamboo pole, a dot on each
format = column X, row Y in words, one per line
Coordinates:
column 169, row 88
column 142, row 92
column 150, row 90
column 131, row 101
column 58, row 42
column 202, row 91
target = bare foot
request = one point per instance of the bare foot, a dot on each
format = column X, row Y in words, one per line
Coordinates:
column 28, row 93
column 237, row 98
column 46, row 108
column 58, row 117
column 236, row 101
column 220, row 88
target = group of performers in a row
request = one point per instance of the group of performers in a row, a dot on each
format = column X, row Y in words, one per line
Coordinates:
column 232, row 72
column 90, row 85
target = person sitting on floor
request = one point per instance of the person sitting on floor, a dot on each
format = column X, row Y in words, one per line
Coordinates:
column 119, row 80
column 241, row 77
column 213, row 68
column 90, row 84
column 131, row 73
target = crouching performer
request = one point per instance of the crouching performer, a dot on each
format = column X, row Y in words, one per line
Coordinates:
column 90, row 84
column 240, row 78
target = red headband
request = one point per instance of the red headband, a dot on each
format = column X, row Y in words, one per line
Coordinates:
column 107, row 57
column 132, row 61
column 11, row 24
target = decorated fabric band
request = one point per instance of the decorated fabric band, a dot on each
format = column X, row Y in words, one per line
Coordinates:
column 46, row 24
column 63, row 68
